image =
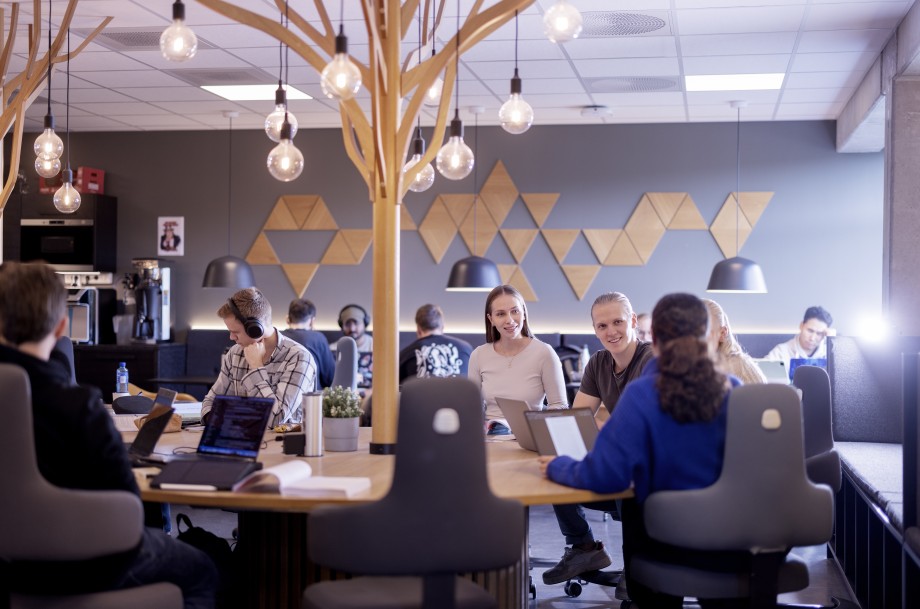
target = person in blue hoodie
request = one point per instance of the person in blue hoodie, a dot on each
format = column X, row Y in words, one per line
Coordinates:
column 666, row 433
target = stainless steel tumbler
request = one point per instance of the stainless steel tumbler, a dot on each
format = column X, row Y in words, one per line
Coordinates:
column 313, row 424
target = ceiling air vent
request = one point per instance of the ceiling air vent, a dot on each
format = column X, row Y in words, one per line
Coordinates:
column 633, row 84
column 607, row 24
column 125, row 39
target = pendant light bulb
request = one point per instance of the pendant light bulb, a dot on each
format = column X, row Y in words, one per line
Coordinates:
column 48, row 145
column 516, row 115
column 425, row 177
column 275, row 120
column 47, row 168
column 341, row 78
column 285, row 161
column 433, row 94
column 178, row 42
column 67, row 199
column 562, row 22
column 455, row 160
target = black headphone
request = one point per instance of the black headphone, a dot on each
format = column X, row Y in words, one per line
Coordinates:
column 367, row 319
column 251, row 325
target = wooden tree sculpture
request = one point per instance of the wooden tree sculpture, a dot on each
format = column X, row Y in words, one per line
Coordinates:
column 18, row 92
column 377, row 142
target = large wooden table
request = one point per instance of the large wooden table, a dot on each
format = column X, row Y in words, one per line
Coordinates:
column 273, row 527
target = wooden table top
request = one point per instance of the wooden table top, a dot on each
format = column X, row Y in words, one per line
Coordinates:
column 513, row 473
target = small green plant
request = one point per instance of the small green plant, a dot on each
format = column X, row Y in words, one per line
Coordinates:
column 341, row 402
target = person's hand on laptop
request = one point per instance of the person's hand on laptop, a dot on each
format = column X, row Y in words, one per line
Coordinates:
column 544, row 463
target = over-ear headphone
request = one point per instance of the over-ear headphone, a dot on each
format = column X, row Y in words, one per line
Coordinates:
column 367, row 318
column 251, row 325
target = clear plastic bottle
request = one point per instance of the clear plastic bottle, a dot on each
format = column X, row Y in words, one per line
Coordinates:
column 583, row 359
column 121, row 378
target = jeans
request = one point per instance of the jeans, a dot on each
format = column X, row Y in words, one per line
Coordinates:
column 164, row 559
column 572, row 523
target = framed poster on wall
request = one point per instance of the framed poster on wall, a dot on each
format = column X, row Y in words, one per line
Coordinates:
column 171, row 236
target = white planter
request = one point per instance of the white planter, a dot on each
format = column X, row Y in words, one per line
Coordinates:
column 340, row 435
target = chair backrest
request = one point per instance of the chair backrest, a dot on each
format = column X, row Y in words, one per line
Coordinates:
column 63, row 350
column 346, row 363
column 763, row 500
column 816, row 408
column 440, row 515
column 41, row 522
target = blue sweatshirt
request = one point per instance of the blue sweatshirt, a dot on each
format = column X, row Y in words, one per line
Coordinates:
column 641, row 445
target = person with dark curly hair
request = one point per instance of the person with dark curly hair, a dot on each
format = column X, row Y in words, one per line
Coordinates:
column 666, row 433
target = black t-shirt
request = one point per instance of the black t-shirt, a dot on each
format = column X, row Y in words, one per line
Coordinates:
column 434, row 355
column 600, row 380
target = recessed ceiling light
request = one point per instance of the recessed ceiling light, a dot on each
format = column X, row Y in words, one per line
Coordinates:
column 734, row 82
column 253, row 92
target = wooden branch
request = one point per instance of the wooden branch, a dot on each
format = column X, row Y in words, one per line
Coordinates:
column 85, row 42
column 8, row 44
column 15, row 151
column 326, row 40
column 356, row 156
column 408, row 9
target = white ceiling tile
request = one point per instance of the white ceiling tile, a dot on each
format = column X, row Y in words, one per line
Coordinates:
column 833, row 62
column 843, row 41
column 742, row 64
column 738, row 44
column 596, row 68
column 487, row 70
column 798, row 96
column 822, row 80
column 740, row 20
column 612, row 48
column 855, row 16
column 667, row 98
column 538, row 86
column 811, row 111
column 708, row 98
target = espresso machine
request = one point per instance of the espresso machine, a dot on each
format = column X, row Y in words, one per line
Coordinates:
column 150, row 285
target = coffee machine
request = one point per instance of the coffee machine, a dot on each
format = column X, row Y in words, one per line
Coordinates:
column 151, row 296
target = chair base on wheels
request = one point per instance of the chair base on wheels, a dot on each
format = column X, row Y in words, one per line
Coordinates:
column 572, row 587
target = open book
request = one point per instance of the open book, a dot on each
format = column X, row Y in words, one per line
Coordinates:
column 296, row 478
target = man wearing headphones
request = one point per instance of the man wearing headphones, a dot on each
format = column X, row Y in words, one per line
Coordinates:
column 263, row 362
column 353, row 319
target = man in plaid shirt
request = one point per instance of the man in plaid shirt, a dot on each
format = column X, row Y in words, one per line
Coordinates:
column 263, row 362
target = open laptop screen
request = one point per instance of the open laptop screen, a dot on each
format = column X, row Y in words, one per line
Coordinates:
column 236, row 426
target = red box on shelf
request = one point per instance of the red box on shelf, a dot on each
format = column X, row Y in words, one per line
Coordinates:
column 89, row 180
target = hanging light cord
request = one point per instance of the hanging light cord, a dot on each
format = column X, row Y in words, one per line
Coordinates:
column 49, row 57
column 475, row 181
column 515, row 41
column 738, row 187
column 457, row 64
column 67, row 112
column 229, row 178
column 281, row 54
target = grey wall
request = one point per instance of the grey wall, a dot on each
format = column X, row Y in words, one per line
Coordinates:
column 820, row 237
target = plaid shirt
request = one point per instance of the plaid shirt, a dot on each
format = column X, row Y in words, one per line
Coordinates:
column 288, row 374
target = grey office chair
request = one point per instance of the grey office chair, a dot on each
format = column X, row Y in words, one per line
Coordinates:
column 41, row 522
column 346, row 363
column 762, row 503
column 439, row 518
column 821, row 460
column 63, row 352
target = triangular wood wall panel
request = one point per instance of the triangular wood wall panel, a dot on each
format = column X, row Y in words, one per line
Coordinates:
column 665, row 204
column 320, row 218
column 687, row 217
column 338, row 252
column 486, row 229
column 540, row 205
column 601, row 241
column 458, row 206
column 262, row 252
column 358, row 240
column 560, row 241
column 623, row 253
column 580, row 277
column 499, row 193
column 645, row 229
column 438, row 229
column 281, row 218
column 300, row 207
column 300, row 276
column 519, row 241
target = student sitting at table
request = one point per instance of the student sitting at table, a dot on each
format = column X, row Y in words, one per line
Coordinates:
column 606, row 376
column 809, row 343
column 263, row 362
column 513, row 363
column 666, row 433
column 301, row 317
column 78, row 447
column 730, row 354
column 433, row 353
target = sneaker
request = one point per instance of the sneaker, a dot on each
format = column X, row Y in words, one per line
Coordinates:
column 575, row 561
column 621, row 593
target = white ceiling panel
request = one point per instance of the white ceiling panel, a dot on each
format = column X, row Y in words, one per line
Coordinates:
column 825, row 48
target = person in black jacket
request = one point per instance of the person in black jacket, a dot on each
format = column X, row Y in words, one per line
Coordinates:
column 300, row 319
column 77, row 446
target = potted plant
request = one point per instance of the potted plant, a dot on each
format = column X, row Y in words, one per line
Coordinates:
column 341, row 414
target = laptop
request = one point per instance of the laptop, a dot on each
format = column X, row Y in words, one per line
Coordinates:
column 140, row 451
column 228, row 448
column 563, row 432
column 774, row 370
column 795, row 362
column 513, row 411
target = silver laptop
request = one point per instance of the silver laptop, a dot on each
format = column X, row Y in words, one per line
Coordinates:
column 513, row 411
column 563, row 432
column 774, row 370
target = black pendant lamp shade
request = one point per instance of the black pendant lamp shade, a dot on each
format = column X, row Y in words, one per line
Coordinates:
column 737, row 275
column 473, row 274
column 228, row 272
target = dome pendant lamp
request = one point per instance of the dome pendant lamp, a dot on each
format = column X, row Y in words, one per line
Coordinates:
column 736, row 274
column 474, row 273
column 229, row 271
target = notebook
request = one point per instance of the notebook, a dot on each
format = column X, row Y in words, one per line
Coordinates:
column 513, row 411
column 228, row 448
column 774, row 370
column 570, row 432
column 140, row 452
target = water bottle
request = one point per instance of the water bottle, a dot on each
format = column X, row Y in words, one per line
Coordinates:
column 583, row 359
column 121, row 378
